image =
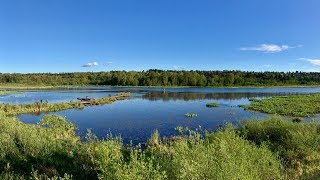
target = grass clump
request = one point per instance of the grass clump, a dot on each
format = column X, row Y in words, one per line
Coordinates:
column 293, row 105
column 212, row 105
column 154, row 139
column 191, row 115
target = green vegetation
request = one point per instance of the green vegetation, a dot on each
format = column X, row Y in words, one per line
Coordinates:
column 293, row 105
column 298, row 144
column 162, row 78
column 258, row 149
column 2, row 92
column 191, row 115
column 38, row 107
column 51, row 149
column 297, row 119
column 211, row 105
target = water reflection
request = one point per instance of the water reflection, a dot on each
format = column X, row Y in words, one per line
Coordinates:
column 166, row 96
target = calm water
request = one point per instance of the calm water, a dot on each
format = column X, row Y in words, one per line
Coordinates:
column 151, row 108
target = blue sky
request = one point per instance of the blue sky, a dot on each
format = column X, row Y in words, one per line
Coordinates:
column 103, row 35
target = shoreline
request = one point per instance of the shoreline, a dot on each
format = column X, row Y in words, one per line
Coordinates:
column 32, row 87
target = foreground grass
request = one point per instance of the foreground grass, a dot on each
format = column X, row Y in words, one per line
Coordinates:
column 298, row 144
column 266, row 149
column 38, row 107
column 51, row 149
column 293, row 105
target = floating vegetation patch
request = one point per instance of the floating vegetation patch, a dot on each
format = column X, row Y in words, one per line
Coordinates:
column 292, row 105
column 212, row 105
column 191, row 115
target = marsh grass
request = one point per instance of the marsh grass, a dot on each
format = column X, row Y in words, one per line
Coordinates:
column 292, row 105
column 39, row 107
column 190, row 115
column 4, row 92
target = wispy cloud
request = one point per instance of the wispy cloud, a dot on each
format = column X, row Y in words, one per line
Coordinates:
column 315, row 62
column 269, row 48
column 267, row 65
column 109, row 63
column 90, row 64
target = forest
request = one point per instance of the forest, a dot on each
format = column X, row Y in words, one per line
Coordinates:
column 154, row 77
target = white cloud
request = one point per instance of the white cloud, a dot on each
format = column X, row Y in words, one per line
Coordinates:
column 312, row 70
column 175, row 67
column 109, row 63
column 90, row 64
column 315, row 62
column 269, row 48
column 267, row 65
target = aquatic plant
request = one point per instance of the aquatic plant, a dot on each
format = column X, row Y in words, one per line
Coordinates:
column 211, row 105
column 242, row 106
column 191, row 115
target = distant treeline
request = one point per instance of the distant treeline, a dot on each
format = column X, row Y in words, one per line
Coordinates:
column 165, row 78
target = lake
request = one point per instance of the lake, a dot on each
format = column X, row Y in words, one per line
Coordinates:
column 151, row 108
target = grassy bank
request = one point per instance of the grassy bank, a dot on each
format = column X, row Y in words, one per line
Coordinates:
column 3, row 92
column 38, row 107
column 267, row 149
column 293, row 105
